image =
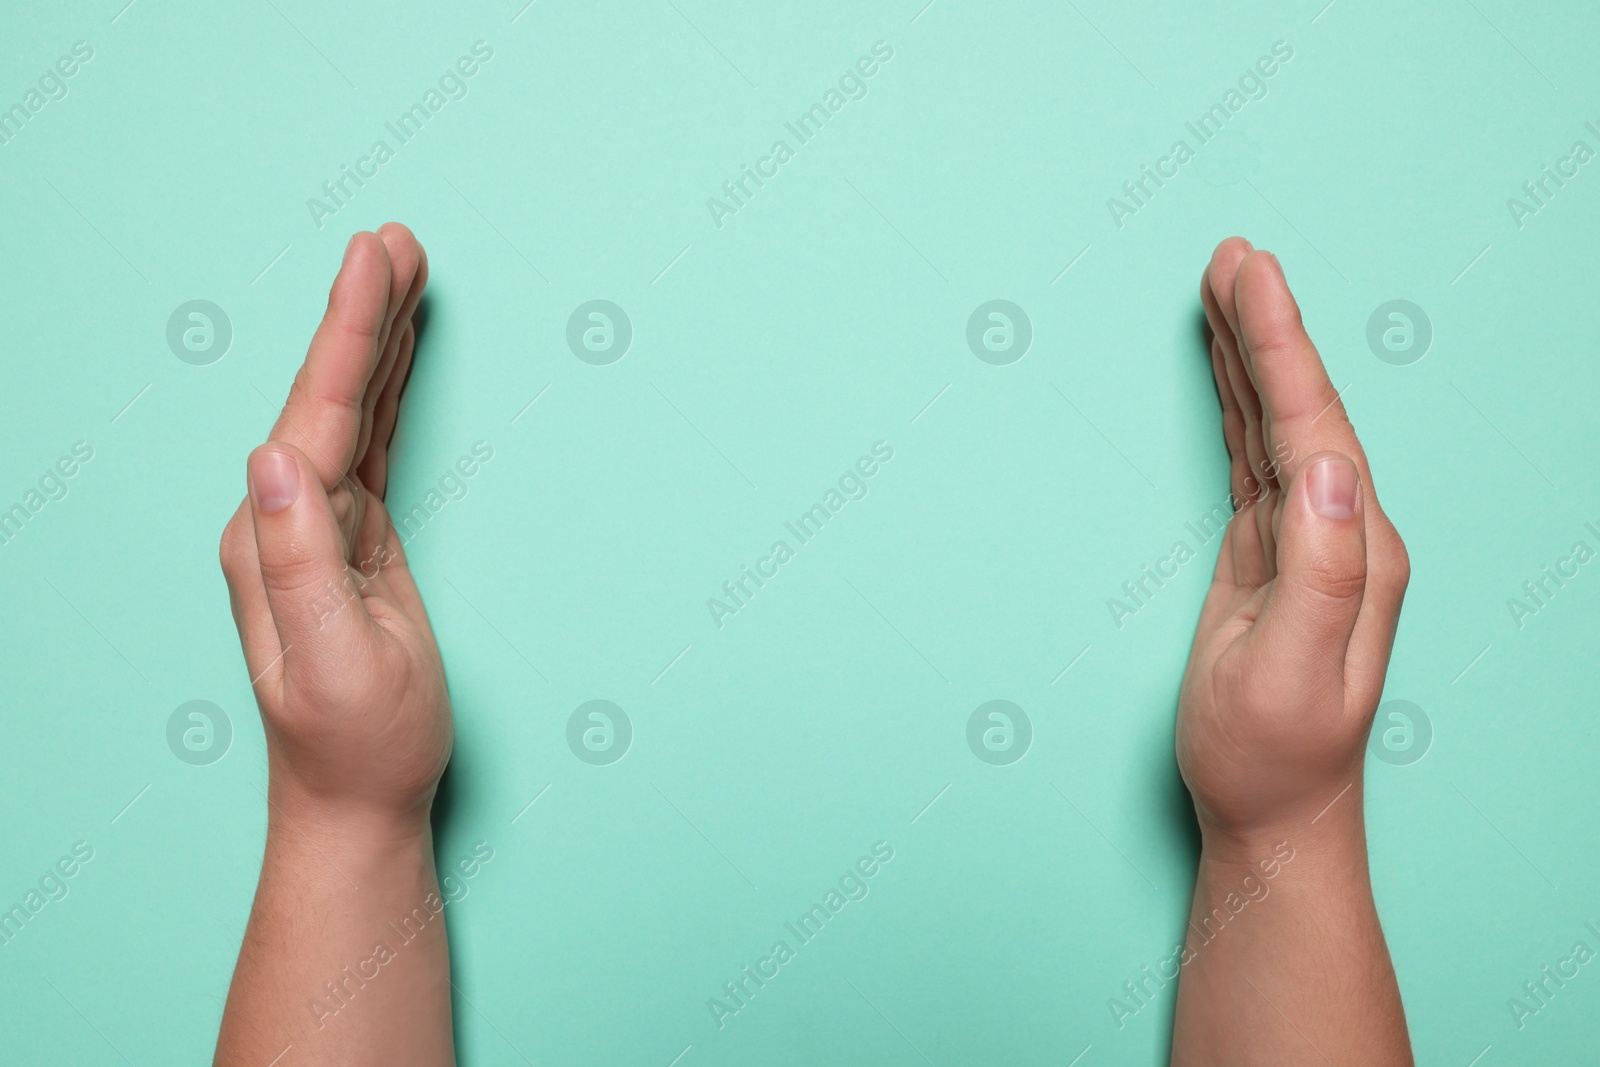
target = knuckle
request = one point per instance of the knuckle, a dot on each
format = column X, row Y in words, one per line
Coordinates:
column 1282, row 341
column 1396, row 564
column 293, row 575
column 1336, row 577
column 358, row 331
column 342, row 406
column 231, row 550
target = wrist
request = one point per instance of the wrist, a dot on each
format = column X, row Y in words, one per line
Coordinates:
column 1333, row 837
column 347, row 826
column 1318, row 873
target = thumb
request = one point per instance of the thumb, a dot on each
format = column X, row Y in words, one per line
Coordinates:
column 314, row 600
column 1322, row 565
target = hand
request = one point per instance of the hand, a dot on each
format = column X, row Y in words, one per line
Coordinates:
column 343, row 661
column 1288, row 662
column 353, row 699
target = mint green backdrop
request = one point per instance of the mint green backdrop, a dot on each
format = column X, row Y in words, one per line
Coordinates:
column 774, row 342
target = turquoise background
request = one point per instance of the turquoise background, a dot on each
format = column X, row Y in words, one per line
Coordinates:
column 768, row 354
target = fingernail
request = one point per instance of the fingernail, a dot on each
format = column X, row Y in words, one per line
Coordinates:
column 1248, row 247
column 1331, row 485
column 349, row 246
column 274, row 480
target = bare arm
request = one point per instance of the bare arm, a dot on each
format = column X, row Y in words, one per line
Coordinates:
column 1285, row 961
column 344, row 959
column 1286, row 958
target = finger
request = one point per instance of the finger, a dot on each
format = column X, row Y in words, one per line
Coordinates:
column 405, row 289
column 405, row 256
column 1252, row 548
column 1232, row 424
column 1301, row 411
column 1218, row 295
column 1322, row 570
column 374, row 470
column 247, row 597
column 1388, row 574
column 1242, row 559
column 1251, row 552
column 301, row 558
column 1218, row 283
column 322, row 417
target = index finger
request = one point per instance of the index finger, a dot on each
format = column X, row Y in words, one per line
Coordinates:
column 1301, row 413
column 322, row 416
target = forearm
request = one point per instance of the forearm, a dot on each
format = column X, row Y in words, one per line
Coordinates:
column 345, row 957
column 1285, row 961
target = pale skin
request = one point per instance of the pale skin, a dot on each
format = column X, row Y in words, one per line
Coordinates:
column 1278, row 697
column 353, row 702
column 1279, row 694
